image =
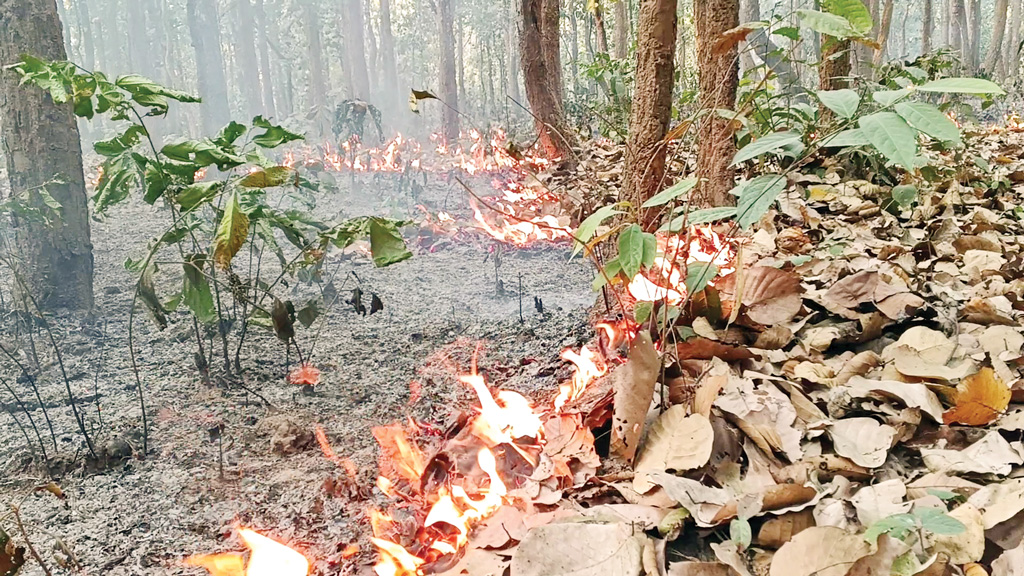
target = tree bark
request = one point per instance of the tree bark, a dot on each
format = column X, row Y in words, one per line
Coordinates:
column 543, row 86
column 1013, row 50
column 719, row 77
column 355, row 43
column 651, row 111
column 974, row 34
column 621, row 30
column 998, row 30
column 768, row 52
column 884, row 26
column 926, row 27
column 204, row 29
column 263, row 47
column 389, row 69
column 601, row 33
column 372, row 51
column 246, row 56
column 315, row 54
column 449, row 87
column 41, row 142
column 513, row 52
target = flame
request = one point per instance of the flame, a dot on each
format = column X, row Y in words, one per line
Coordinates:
column 267, row 557
column 664, row 281
column 399, row 453
column 589, row 367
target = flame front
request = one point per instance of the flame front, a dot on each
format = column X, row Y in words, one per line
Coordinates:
column 664, row 281
column 267, row 557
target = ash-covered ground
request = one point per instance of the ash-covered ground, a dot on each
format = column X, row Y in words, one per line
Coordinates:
column 144, row 515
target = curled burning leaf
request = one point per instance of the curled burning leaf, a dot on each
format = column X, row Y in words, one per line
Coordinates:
column 416, row 95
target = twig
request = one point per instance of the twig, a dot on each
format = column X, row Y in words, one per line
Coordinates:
column 28, row 543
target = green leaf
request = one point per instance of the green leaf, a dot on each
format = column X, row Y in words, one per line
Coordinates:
column 309, row 313
column 788, row 142
column 756, row 197
column 828, row 24
column 846, row 138
column 121, row 143
column 228, row 134
column 790, row 32
column 905, row 195
column 702, row 216
column 589, row 226
column 114, row 184
column 611, row 270
column 273, row 176
column 843, row 102
column 963, row 86
column 890, row 97
column 930, row 120
column 854, row 11
column 896, row 525
column 274, row 135
column 642, row 311
column 671, row 193
column 698, row 274
column 740, row 533
column 195, row 290
column 386, row 243
column 231, row 234
column 939, row 522
column 194, row 195
column 631, row 250
column 896, row 140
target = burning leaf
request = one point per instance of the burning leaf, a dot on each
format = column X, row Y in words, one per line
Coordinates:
column 863, row 440
column 304, row 375
column 675, row 442
column 634, row 389
column 416, row 95
column 571, row 549
column 819, row 551
column 267, row 558
column 980, row 399
column 231, row 233
column 771, row 296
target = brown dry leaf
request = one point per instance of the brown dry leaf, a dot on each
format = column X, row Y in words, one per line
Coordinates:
column 862, row 287
column 676, row 442
column 729, row 554
column 900, row 306
column 778, row 530
column 764, row 414
column 1009, row 563
column 497, row 531
column 880, row 561
column 865, row 441
column 710, row 387
column 577, row 549
column 734, row 36
column 789, row 497
column 968, row 546
column 771, row 296
column 980, row 399
column 859, row 365
column 702, row 502
column 634, row 389
column 990, row 455
column 704, row 349
column 881, row 500
column 819, row 551
column 700, row 569
column 911, row 395
column 825, row 468
column 937, row 481
column 12, row 557
column 477, row 562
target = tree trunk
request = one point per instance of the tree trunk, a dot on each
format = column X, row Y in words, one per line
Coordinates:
column 40, row 143
column 246, row 55
column 926, row 27
column 998, row 30
column 601, row 33
column 315, row 55
column 719, row 77
column 204, row 29
column 355, row 43
column 85, row 27
column 449, row 87
column 651, row 111
column 974, row 34
column 388, row 67
column 574, row 52
column 883, row 33
column 263, row 47
column 460, row 61
column 551, row 46
column 1013, row 49
column 543, row 86
column 958, row 27
column 513, row 53
column 621, row 30
column 768, row 52
column 835, row 69
column 372, row 52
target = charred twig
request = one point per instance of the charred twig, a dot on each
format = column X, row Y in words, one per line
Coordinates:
column 28, row 543
column 28, row 441
column 35, row 389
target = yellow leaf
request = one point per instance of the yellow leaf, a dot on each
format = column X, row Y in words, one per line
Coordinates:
column 231, row 234
column 980, row 398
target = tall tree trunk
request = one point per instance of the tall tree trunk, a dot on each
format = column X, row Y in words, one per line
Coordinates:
column 449, row 88
column 947, row 23
column 263, row 47
column 204, row 29
column 601, row 33
column 315, row 55
column 388, row 67
column 246, row 55
column 926, row 27
column 651, row 111
column 767, row 51
column 574, row 52
column 85, row 28
column 356, row 46
column 835, row 68
column 543, row 85
column 621, row 29
column 41, row 143
column 719, row 77
column 958, row 28
column 551, row 46
column 1015, row 34
column 884, row 26
column 974, row 34
column 512, row 50
column 998, row 30
column 460, row 60
column 372, row 53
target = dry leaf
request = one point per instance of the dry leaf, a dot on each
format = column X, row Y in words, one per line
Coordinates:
column 676, row 442
column 819, row 551
column 788, row 497
column 771, row 296
column 728, row 553
column 764, row 414
column 911, row 395
column 980, row 399
column 880, row 561
column 863, row 440
column 634, row 389
column 704, row 349
column 881, row 500
column 968, row 546
column 478, row 562
column 700, row 569
column 999, row 502
column 710, row 386
column 580, row 549
column 778, row 530
column 990, row 455
column 859, row 365
column 1009, row 563
column 703, row 502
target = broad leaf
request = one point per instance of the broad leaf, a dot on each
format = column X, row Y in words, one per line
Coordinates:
column 788, row 141
column 386, row 243
column 756, row 197
column 939, row 522
column 855, row 12
column 231, row 233
column 195, row 290
column 843, row 102
column 273, row 176
column 846, row 138
column 828, row 24
column 671, row 193
column 702, row 216
column 631, row 250
column 963, row 86
column 904, row 195
column 896, row 140
column 930, row 120
column 890, row 97
column 698, row 274
column 274, row 135
column 589, row 225
column 196, row 195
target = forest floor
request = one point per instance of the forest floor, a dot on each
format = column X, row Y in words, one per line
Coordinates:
column 144, row 516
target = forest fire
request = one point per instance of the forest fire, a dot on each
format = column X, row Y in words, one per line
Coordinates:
column 267, row 557
column 666, row 279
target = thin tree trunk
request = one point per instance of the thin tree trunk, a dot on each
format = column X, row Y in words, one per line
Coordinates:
column 621, row 30
column 958, row 28
column 1013, row 49
column 513, row 52
column 460, row 61
column 41, row 144
column 767, row 51
column 356, row 45
column 574, row 52
column 884, row 26
column 974, row 34
column 449, row 89
column 263, row 46
column 372, row 53
column 998, row 30
column 204, row 29
column 85, row 29
column 543, row 88
column 651, row 111
column 926, row 27
column 388, row 67
column 719, row 77
column 601, row 33
column 315, row 56
column 248, row 63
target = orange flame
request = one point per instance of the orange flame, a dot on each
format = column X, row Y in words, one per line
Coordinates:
column 665, row 280
column 589, row 367
column 267, row 557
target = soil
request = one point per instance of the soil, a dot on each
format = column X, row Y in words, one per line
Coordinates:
column 144, row 513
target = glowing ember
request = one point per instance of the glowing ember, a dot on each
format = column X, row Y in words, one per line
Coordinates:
column 267, row 557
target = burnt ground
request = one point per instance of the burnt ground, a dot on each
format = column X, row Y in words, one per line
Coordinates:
column 144, row 515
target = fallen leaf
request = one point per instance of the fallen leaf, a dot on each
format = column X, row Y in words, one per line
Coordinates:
column 819, row 551
column 634, row 390
column 710, row 386
column 728, row 553
column 12, row 557
column 787, row 497
column 764, row 414
column 999, row 502
column 778, row 530
column 580, row 549
column 863, row 440
column 1009, row 563
column 771, row 296
column 980, row 399
column 478, row 562
column 702, row 502
column 879, row 562
column 703, row 349
column 910, row 395
column 968, row 546
column 676, row 442
column 990, row 455
column 879, row 501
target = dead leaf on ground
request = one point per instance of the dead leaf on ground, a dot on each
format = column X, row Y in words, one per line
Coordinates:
column 789, row 497
column 819, row 551
column 910, row 395
column 879, row 501
column 1009, row 563
column 700, row 569
column 999, row 502
column 764, row 414
column 771, row 296
column 703, row 349
column 990, row 455
column 776, row 531
column 703, row 502
column 634, row 389
column 676, row 442
column 879, row 562
column 969, row 545
column 575, row 549
column 863, row 440
column 980, row 399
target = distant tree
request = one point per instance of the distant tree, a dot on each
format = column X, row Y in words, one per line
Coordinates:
column 41, row 144
column 719, row 77
column 621, row 29
column 263, row 47
column 449, row 86
column 246, row 57
column 388, row 66
column 355, row 45
column 542, row 76
column 926, row 27
column 204, row 30
column 884, row 27
column 998, row 30
column 314, row 54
